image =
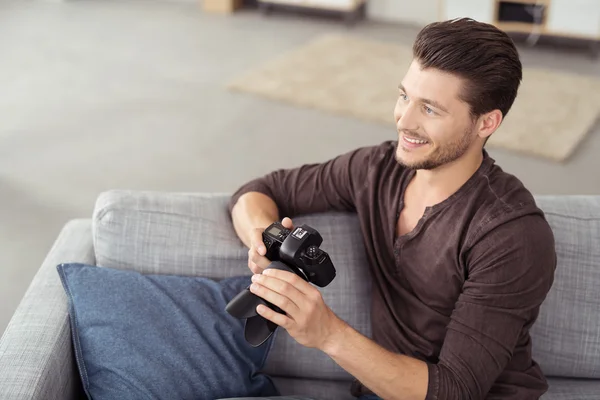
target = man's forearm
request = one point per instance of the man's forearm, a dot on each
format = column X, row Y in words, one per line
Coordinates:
column 253, row 210
column 390, row 376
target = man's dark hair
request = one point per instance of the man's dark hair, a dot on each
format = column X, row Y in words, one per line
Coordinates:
column 483, row 55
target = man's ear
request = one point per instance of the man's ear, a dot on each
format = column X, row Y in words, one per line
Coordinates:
column 488, row 123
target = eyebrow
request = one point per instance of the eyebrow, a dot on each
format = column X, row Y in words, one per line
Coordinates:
column 432, row 102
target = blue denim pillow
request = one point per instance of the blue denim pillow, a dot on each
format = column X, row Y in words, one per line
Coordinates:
column 160, row 336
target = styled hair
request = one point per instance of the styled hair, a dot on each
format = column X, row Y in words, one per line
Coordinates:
column 481, row 54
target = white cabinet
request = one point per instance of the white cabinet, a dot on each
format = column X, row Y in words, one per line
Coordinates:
column 343, row 5
column 480, row 10
column 333, row 3
column 574, row 17
column 420, row 12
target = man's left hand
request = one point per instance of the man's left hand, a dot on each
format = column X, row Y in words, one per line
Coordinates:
column 309, row 320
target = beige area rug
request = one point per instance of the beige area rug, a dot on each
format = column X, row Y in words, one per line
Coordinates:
column 346, row 75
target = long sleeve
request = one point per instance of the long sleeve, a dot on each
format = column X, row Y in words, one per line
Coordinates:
column 510, row 270
column 312, row 188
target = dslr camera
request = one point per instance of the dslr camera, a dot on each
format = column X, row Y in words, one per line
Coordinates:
column 297, row 251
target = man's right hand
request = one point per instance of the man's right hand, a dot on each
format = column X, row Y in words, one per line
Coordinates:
column 257, row 261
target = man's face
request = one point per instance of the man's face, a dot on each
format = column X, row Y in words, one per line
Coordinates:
column 434, row 124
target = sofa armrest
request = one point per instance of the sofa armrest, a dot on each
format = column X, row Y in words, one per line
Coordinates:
column 36, row 356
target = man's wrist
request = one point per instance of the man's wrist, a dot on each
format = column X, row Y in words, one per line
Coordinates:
column 333, row 343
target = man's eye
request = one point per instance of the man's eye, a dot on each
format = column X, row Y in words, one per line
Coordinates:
column 403, row 96
column 429, row 111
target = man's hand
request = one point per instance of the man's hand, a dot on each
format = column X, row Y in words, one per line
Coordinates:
column 313, row 324
column 257, row 261
column 309, row 320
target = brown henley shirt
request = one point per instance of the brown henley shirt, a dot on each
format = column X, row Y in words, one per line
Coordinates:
column 461, row 291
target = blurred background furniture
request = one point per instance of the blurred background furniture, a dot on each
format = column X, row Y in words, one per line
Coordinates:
column 577, row 21
column 221, row 6
column 352, row 10
column 572, row 19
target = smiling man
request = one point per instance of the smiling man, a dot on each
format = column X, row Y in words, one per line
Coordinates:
column 460, row 255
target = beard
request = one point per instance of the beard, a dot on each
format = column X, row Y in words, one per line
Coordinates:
column 441, row 155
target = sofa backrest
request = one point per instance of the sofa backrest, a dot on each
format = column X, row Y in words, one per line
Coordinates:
column 566, row 336
column 192, row 234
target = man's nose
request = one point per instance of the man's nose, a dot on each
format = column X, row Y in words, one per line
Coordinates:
column 408, row 118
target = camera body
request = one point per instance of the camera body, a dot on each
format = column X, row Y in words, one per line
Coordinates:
column 296, row 251
column 299, row 249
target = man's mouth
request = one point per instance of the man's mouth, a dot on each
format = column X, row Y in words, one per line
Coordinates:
column 415, row 141
column 412, row 142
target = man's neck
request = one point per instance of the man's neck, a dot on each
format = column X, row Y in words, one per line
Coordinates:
column 435, row 186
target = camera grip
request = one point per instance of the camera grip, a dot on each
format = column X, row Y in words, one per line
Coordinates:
column 284, row 267
column 244, row 304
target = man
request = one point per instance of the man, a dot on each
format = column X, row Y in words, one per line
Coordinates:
column 461, row 257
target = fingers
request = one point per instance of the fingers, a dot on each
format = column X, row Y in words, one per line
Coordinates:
column 281, row 293
column 281, row 297
column 257, row 261
column 257, row 242
column 290, row 278
column 254, row 268
column 275, row 317
column 287, row 222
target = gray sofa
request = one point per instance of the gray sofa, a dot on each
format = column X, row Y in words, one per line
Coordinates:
column 191, row 234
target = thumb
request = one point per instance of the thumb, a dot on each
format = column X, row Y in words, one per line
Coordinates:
column 287, row 222
column 257, row 241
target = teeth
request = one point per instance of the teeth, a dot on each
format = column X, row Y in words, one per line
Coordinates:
column 415, row 141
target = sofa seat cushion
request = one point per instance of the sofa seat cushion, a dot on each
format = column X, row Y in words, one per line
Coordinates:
column 314, row 388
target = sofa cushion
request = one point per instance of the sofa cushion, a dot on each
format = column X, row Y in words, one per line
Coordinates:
column 160, row 336
column 566, row 336
column 180, row 234
column 192, row 234
column 572, row 389
column 314, row 388
column 308, row 389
